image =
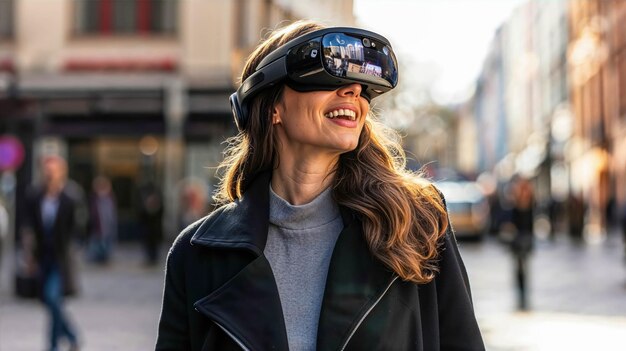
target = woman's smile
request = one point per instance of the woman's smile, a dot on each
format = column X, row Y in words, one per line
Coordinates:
column 344, row 115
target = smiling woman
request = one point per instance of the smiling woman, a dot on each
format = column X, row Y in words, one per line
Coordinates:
column 323, row 124
column 323, row 236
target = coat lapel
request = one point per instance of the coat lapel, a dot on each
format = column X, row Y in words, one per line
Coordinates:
column 56, row 227
column 355, row 282
column 242, row 224
column 62, row 206
column 247, row 306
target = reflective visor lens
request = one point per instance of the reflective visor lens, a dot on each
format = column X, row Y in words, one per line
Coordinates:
column 360, row 59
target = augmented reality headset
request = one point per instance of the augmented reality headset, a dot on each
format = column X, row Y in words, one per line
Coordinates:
column 325, row 59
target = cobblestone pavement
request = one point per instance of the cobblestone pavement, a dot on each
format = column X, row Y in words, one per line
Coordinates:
column 578, row 301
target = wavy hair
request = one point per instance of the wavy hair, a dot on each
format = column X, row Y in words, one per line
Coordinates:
column 402, row 214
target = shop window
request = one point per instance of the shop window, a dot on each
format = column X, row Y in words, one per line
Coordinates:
column 6, row 19
column 124, row 17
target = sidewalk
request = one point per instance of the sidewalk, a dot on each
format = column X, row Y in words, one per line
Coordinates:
column 545, row 331
column 577, row 296
column 117, row 309
column 578, row 302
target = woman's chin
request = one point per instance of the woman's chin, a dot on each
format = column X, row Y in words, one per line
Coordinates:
column 347, row 145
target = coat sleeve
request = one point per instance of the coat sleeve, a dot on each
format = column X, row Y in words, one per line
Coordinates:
column 173, row 333
column 458, row 328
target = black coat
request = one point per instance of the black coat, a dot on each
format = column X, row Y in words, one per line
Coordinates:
column 220, row 291
column 63, row 232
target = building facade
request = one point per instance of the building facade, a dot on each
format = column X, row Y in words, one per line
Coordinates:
column 136, row 90
column 597, row 68
column 523, row 84
column 617, row 132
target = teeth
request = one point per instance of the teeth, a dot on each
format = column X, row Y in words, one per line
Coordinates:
column 341, row 112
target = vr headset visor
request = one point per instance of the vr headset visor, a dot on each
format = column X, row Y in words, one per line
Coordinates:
column 323, row 60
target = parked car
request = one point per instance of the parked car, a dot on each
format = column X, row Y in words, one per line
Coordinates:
column 468, row 208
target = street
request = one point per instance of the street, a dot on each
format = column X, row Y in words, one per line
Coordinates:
column 117, row 309
column 577, row 295
column 577, row 300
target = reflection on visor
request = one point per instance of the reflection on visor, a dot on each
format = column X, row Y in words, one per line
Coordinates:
column 360, row 59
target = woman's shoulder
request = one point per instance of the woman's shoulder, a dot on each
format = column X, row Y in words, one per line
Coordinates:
column 183, row 239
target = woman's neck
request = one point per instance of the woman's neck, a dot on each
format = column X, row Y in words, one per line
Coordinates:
column 300, row 180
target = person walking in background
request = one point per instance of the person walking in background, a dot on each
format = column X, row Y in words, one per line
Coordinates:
column 622, row 216
column 323, row 240
column 576, row 215
column 102, row 220
column 193, row 203
column 522, row 216
column 50, row 217
column 4, row 228
column 151, row 217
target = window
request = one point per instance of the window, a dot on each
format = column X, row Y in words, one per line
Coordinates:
column 6, row 19
column 112, row 17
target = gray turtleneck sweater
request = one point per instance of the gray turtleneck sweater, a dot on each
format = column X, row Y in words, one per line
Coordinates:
column 299, row 246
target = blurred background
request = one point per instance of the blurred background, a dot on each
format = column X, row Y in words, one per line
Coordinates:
column 134, row 95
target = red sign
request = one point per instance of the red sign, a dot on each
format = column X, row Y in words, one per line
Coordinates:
column 11, row 153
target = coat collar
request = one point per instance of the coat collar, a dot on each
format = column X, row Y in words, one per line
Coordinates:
column 241, row 224
column 252, row 291
column 355, row 278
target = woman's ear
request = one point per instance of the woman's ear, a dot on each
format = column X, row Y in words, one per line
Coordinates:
column 276, row 115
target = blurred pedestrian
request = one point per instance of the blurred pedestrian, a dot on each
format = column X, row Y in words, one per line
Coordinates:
column 623, row 225
column 102, row 220
column 193, row 203
column 81, row 208
column 489, row 186
column 27, row 281
column 523, row 220
column 50, row 217
column 4, row 228
column 576, row 215
column 151, row 218
column 323, row 240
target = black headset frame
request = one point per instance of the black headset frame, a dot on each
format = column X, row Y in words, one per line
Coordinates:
column 273, row 70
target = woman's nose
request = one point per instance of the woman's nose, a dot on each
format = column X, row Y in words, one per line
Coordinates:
column 353, row 89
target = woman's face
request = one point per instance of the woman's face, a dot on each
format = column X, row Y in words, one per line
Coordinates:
column 320, row 121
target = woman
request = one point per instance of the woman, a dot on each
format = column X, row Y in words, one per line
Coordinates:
column 323, row 240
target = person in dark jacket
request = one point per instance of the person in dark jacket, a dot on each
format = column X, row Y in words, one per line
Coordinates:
column 523, row 220
column 151, row 218
column 50, row 219
column 102, row 226
column 323, row 240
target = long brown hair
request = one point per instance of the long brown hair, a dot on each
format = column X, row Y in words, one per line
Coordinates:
column 402, row 214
